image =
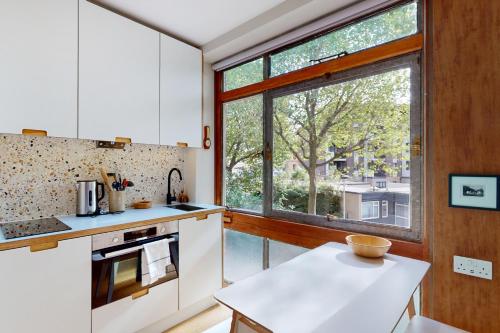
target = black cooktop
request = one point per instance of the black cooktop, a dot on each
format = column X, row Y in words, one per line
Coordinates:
column 33, row 227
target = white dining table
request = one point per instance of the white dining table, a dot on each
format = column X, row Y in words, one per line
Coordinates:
column 326, row 290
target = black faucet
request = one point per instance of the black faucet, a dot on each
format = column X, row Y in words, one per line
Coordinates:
column 170, row 197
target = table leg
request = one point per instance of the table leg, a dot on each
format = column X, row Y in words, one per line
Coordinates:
column 411, row 307
column 249, row 324
column 234, row 322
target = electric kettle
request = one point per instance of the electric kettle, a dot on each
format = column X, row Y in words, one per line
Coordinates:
column 87, row 198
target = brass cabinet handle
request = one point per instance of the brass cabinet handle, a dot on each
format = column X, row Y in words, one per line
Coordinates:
column 201, row 217
column 123, row 140
column 34, row 132
column 227, row 219
column 43, row 246
column 140, row 293
column 182, row 144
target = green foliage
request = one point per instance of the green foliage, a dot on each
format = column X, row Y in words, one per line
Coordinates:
column 243, row 75
column 243, row 125
column 299, row 174
column 295, row 198
column 383, row 28
column 238, row 198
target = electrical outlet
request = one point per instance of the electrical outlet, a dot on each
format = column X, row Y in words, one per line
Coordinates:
column 473, row 267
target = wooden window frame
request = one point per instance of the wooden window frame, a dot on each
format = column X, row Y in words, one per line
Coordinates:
column 287, row 231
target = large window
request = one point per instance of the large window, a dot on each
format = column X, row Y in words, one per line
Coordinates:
column 336, row 150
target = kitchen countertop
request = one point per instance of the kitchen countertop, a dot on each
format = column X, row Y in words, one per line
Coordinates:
column 86, row 226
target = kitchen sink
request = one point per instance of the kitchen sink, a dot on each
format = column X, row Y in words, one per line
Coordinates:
column 184, row 207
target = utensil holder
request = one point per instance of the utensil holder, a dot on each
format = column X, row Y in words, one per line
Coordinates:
column 117, row 201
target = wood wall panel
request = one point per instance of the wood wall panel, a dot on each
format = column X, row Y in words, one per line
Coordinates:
column 305, row 235
column 464, row 124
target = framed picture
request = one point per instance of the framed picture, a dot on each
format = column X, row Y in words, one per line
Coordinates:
column 473, row 191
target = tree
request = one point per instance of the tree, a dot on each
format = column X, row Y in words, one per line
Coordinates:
column 354, row 116
column 243, row 124
column 243, row 152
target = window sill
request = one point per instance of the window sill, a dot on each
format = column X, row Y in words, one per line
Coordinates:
column 306, row 235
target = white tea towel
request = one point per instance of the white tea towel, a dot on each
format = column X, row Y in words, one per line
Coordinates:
column 157, row 255
column 146, row 278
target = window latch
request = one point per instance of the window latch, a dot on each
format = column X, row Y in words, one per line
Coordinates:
column 416, row 147
column 330, row 57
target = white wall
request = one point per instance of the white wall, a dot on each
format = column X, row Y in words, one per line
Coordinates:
column 199, row 163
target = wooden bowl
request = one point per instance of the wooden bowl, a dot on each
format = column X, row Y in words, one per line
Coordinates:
column 143, row 204
column 368, row 246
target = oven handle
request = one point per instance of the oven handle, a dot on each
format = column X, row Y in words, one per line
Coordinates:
column 100, row 257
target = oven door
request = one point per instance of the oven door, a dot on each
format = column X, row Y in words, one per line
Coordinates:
column 117, row 271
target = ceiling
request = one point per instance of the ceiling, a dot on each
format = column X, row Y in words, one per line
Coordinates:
column 224, row 27
column 196, row 21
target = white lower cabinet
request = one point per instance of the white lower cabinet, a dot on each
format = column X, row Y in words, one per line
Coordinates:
column 47, row 291
column 200, row 258
column 129, row 315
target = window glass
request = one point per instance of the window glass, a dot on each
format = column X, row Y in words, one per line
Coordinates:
column 341, row 148
column 281, row 252
column 243, row 75
column 243, row 255
column 243, row 153
column 402, row 214
column 370, row 210
column 385, row 208
column 382, row 28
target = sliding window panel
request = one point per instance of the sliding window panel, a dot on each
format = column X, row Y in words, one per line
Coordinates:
column 341, row 150
column 243, row 163
column 119, row 77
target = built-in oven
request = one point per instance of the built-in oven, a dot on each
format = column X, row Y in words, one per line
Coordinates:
column 121, row 264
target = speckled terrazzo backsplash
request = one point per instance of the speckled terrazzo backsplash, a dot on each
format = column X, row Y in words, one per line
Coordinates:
column 38, row 175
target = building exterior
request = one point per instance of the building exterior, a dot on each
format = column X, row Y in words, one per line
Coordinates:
column 364, row 202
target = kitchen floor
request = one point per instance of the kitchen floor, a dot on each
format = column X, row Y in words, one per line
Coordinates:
column 204, row 321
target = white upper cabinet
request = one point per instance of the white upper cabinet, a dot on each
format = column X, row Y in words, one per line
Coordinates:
column 180, row 93
column 119, row 77
column 38, row 66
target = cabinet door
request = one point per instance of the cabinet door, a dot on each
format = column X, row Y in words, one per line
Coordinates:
column 119, row 77
column 200, row 258
column 38, row 66
column 180, row 93
column 129, row 315
column 47, row 291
